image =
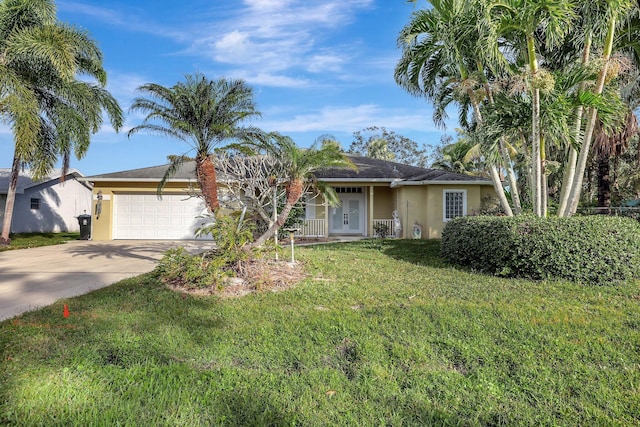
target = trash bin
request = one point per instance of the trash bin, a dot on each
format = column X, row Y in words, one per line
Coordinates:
column 85, row 226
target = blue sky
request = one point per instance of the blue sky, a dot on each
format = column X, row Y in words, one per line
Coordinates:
column 316, row 66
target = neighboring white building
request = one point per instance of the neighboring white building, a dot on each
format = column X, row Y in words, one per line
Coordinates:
column 46, row 206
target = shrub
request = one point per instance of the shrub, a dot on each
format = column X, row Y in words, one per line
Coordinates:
column 211, row 268
column 381, row 230
column 594, row 249
column 180, row 268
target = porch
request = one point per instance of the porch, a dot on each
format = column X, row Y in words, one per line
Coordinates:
column 318, row 227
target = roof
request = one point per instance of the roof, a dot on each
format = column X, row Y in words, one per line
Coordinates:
column 25, row 178
column 369, row 170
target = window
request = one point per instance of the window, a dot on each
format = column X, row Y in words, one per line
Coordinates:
column 35, row 204
column 455, row 204
column 348, row 190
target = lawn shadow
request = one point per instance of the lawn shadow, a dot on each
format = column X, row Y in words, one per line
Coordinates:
column 249, row 408
column 418, row 252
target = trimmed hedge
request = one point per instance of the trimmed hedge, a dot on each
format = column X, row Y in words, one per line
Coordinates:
column 594, row 249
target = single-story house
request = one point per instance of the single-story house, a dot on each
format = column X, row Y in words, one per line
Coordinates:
column 50, row 205
column 126, row 206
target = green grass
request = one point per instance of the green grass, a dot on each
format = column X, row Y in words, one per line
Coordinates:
column 32, row 240
column 382, row 333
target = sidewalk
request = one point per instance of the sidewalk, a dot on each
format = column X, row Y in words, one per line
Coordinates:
column 37, row 277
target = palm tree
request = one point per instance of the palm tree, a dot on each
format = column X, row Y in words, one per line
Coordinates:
column 520, row 23
column 297, row 166
column 50, row 112
column 445, row 54
column 203, row 113
column 616, row 10
column 453, row 157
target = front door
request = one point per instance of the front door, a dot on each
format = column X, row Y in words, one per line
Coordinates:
column 348, row 218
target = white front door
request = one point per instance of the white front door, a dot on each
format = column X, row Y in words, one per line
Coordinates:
column 349, row 217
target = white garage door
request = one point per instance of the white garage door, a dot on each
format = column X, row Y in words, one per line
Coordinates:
column 144, row 216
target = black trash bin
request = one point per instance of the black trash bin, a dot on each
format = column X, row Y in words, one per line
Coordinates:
column 85, row 226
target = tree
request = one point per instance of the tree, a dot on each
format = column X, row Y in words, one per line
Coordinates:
column 444, row 52
column 379, row 143
column 203, row 113
column 453, row 156
column 520, row 22
column 252, row 183
column 51, row 112
column 298, row 166
column 616, row 10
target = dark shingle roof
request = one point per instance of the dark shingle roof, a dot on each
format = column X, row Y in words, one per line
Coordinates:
column 368, row 170
column 153, row 173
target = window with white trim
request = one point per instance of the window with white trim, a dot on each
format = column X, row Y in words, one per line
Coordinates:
column 454, row 204
column 35, row 204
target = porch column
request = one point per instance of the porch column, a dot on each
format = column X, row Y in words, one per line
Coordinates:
column 370, row 211
column 326, row 219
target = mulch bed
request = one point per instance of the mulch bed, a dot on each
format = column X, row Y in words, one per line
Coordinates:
column 254, row 276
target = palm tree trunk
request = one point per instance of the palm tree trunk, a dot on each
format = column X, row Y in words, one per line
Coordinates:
column 536, row 161
column 497, row 184
column 11, row 198
column 495, row 176
column 506, row 159
column 570, row 167
column 576, row 187
column 536, row 184
column 513, row 183
column 206, row 173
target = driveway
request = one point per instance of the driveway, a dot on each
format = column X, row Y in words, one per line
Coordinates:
column 32, row 278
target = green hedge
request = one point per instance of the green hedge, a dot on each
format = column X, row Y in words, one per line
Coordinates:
column 594, row 249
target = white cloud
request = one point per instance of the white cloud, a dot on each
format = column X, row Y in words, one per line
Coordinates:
column 325, row 63
column 352, row 118
column 267, row 4
column 132, row 21
column 266, row 79
column 273, row 36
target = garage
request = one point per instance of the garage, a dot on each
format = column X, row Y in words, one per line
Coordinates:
column 144, row 216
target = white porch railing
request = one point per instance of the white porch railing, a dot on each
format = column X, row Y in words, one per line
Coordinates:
column 311, row 228
column 388, row 223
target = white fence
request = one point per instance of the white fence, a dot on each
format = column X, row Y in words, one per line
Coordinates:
column 311, row 228
column 389, row 223
column 317, row 227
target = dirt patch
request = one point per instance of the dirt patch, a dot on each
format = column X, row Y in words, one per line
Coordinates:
column 254, row 276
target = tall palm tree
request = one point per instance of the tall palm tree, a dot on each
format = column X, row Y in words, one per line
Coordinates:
column 444, row 57
column 297, row 166
column 50, row 112
column 520, row 22
column 453, row 157
column 203, row 113
column 616, row 11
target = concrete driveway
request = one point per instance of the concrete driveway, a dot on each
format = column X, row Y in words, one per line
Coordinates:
column 32, row 278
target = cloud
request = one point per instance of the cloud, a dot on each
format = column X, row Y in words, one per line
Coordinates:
column 322, row 63
column 131, row 20
column 272, row 37
column 352, row 118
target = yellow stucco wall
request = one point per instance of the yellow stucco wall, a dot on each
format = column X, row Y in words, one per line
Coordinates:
column 424, row 205
column 421, row 204
column 384, row 202
column 102, row 225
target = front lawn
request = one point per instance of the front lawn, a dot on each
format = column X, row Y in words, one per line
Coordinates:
column 381, row 333
column 32, row 240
